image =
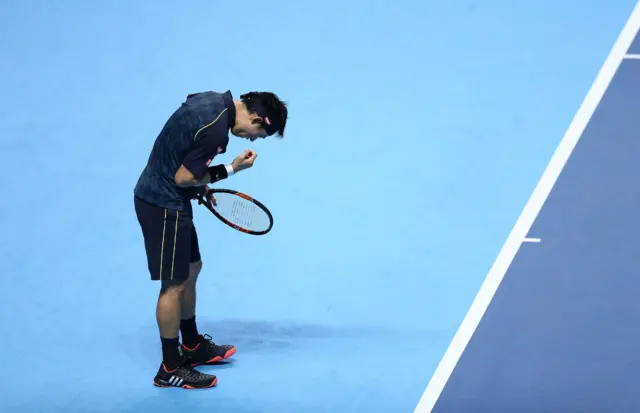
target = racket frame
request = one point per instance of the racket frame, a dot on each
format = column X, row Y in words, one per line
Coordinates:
column 213, row 191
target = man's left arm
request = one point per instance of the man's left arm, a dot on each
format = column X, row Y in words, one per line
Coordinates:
column 185, row 178
column 195, row 169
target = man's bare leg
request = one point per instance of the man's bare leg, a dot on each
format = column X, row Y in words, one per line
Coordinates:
column 188, row 327
column 175, row 372
column 168, row 318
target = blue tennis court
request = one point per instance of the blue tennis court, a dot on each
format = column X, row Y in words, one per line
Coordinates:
column 453, row 201
column 557, row 335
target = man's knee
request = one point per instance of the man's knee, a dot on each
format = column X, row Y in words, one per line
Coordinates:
column 194, row 270
column 172, row 287
column 176, row 286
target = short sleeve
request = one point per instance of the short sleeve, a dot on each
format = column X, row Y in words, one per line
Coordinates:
column 209, row 142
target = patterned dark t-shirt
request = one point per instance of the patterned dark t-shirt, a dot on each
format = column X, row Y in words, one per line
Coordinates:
column 194, row 134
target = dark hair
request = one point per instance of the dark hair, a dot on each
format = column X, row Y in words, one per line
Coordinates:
column 268, row 105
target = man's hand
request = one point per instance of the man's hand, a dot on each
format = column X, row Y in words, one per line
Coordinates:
column 207, row 195
column 244, row 161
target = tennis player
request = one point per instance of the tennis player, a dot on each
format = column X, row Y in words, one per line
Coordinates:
column 178, row 169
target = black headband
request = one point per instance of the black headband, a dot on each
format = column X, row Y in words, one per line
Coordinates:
column 270, row 125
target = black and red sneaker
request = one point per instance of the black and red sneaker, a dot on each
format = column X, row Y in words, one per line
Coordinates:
column 207, row 352
column 184, row 376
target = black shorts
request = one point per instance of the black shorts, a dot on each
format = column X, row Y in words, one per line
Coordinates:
column 170, row 240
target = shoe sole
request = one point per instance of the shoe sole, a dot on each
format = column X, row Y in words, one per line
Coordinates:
column 216, row 359
column 185, row 386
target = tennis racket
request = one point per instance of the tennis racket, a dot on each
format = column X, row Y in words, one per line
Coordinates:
column 239, row 211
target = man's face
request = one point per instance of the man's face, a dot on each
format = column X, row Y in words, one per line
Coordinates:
column 249, row 126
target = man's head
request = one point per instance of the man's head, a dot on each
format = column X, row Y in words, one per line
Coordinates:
column 258, row 115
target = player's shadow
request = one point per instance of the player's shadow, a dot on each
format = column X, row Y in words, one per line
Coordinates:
column 257, row 335
column 249, row 336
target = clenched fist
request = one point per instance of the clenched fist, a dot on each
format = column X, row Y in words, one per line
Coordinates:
column 244, row 161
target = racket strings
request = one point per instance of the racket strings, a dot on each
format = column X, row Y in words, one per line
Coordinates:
column 241, row 212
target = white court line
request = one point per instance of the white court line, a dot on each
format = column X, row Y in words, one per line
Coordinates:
column 531, row 240
column 632, row 56
column 528, row 215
